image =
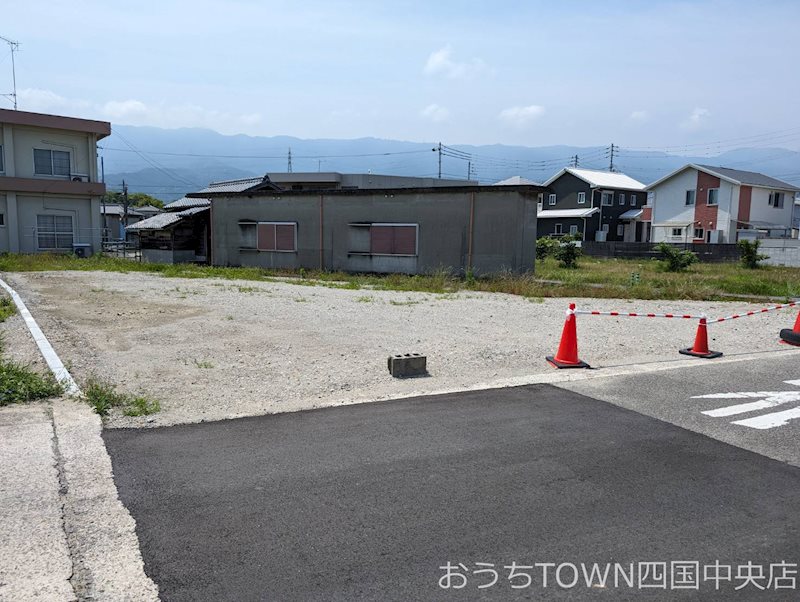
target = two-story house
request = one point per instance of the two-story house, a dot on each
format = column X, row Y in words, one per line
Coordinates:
column 49, row 186
column 596, row 205
column 705, row 203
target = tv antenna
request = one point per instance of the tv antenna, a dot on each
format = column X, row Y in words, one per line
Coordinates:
column 14, row 47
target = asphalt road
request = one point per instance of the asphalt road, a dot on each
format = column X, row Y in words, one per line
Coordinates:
column 367, row 502
column 721, row 400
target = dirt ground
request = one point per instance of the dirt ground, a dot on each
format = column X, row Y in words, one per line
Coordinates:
column 215, row 349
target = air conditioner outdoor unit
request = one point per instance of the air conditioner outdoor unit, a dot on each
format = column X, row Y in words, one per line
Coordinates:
column 78, row 177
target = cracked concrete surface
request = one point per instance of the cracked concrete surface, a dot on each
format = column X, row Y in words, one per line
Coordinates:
column 35, row 558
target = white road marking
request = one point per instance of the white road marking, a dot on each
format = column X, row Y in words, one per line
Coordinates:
column 768, row 399
column 769, row 421
column 773, row 399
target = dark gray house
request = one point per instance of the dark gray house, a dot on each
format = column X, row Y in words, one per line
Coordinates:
column 596, row 205
column 411, row 230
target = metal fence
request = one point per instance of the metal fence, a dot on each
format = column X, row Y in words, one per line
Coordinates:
column 711, row 253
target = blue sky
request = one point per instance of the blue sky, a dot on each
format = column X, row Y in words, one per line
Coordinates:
column 642, row 74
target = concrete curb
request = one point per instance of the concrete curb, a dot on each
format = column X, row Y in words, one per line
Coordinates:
column 50, row 356
column 100, row 531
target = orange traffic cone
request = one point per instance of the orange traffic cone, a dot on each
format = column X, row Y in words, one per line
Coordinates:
column 791, row 336
column 700, row 348
column 567, row 354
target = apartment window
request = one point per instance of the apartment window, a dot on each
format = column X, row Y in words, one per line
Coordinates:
column 573, row 230
column 620, row 230
column 776, row 200
column 551, row 200
column 2, row 219
column 581, row 198
column 2, row 165
column 621, row 198
column 559, row 229
column 633, row 200
column 393, row 239
column 677, row 232
column 698, row 233
column 54, row 232
column 276, row 236
column 713, row 196
column 607, row 199
column 50, row 162
column 690, row 194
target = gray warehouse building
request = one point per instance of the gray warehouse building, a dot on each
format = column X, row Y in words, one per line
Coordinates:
column 486, row 229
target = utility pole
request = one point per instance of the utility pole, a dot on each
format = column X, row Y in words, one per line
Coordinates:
column 104, row 234
column 289, row 166
column 611, row 164
column 575, row 161
column 14, row 47
column 125, row 206
column 440, row 160
column 469, row 169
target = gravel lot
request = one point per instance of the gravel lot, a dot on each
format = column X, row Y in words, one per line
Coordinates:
column 214, row 349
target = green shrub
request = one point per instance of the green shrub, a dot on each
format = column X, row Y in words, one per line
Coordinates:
column 750, row 255
column 675, row 259
column 567, row 253
column 546, row 247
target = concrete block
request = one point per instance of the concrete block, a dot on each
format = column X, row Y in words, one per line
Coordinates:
column 409, row 364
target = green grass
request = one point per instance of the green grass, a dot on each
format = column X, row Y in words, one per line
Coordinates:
column 20, row 384
column 608, row 278
column 103, row 396
column 7, row 308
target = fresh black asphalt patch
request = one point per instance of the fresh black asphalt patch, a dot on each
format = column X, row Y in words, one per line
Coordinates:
column 367, row 502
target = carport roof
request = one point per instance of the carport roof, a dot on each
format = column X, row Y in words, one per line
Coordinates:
column 562, row 213
column 632, row 214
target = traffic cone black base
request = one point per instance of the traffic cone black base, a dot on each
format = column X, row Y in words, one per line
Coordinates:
column 557, row 364
column 707, row 355
column 790, row 337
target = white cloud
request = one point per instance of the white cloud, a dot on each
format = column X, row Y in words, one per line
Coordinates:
column 441, row 62
column 125, row 109
column 521, row 116
column 640, row 116
column 136, row 112
column 697, row 119
column 435, row 113
column 44, row 101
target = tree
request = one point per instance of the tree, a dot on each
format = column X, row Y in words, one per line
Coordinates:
column 676, row 260
column 135, row 199
column 750, row 255
column 567, row 253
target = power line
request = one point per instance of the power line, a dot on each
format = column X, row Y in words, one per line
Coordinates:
column 282, row 156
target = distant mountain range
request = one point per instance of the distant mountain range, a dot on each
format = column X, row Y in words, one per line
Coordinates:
column 167, row 163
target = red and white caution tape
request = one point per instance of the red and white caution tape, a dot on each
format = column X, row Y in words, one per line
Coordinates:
column 755, row 312
column 636, row 315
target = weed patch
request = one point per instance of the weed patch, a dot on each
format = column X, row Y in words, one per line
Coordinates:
column 7, row 308
column 20, row 384
column 103, row 396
